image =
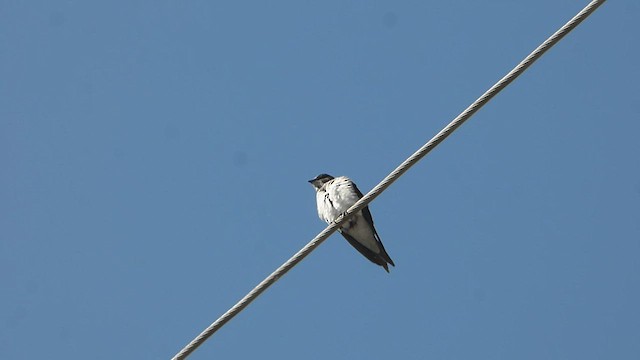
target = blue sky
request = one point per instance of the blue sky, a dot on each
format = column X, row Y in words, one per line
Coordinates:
column 155, row 156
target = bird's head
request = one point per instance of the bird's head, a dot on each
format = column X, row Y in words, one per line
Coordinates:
column 320, row 180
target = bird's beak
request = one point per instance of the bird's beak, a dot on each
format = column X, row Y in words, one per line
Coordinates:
column 311, row 181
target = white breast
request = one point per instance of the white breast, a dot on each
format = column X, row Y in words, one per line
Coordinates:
column 335, row 198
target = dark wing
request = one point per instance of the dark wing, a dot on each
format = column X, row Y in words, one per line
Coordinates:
column 367, row 216
column 365, row 211
column 373, row 257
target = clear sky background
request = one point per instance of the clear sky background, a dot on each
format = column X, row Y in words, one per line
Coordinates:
column 155, row 158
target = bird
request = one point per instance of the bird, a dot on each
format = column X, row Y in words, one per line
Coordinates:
column 334, row 196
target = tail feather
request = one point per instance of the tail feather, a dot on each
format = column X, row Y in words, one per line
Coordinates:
column 381, row 258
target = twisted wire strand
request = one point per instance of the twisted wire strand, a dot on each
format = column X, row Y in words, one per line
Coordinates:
column 387, row 181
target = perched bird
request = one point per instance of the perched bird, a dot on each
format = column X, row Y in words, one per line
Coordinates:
column 334, row 197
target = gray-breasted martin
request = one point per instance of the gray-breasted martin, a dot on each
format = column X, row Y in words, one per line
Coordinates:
column 334, row 197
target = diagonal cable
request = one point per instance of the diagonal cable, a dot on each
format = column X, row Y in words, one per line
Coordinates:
column 387, row 181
